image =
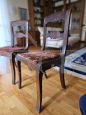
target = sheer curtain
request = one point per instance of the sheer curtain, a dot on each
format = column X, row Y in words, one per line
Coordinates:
column 5, row 36
column 5, row 33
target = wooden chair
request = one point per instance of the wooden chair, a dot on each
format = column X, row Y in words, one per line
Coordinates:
column 19, row 43
column 45, row 59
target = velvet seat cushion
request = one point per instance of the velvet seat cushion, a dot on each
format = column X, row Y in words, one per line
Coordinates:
column 38, row 56
column 7, row 50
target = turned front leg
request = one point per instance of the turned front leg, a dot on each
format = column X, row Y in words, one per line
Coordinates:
column 19, row 73
column 12, row 62
column 39, row 75
column 62, row 72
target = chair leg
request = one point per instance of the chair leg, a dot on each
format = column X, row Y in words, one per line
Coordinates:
column 19, row 73
column 39, row 90
column 62, row 74
column 45, row 75
column 12, row 61
column 62, row 80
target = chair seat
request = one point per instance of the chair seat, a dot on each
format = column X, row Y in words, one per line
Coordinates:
column 38, row 56
column 8, row 50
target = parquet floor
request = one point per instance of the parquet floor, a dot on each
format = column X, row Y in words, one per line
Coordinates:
column 56, row 101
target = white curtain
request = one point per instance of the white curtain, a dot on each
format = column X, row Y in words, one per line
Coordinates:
column 5, row 36
column 5, row 33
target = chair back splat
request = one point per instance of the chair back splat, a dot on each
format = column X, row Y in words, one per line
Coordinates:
column 20, row 33
column 59, row 17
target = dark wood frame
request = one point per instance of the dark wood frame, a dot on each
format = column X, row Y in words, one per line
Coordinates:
column 42, row 66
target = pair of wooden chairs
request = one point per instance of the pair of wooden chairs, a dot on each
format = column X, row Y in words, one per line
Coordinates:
column 44, row 59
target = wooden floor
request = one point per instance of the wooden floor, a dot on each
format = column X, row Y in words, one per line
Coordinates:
column 56, row 101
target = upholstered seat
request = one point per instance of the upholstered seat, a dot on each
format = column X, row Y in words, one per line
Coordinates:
column 9, row 50
column 39, row 56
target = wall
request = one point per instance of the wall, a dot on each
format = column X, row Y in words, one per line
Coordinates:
column 13, row 6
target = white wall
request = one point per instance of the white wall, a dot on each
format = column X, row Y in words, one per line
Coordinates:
column 13, row 6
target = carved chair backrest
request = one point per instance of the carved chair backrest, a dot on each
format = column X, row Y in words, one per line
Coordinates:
column 62, row 16
column 20, row 33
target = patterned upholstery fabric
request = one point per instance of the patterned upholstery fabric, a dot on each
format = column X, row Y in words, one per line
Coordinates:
column 39, row 56
column 54, row 35
column 9, row 49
